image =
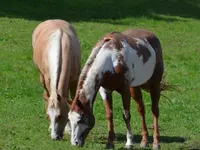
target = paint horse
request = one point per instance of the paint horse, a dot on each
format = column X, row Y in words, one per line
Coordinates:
column 125, row 62
column 57, row 56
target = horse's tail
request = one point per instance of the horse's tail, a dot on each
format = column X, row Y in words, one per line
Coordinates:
column 54, row 50
column 166, row 86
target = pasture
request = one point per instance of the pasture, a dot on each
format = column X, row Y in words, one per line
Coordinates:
column 23, row 123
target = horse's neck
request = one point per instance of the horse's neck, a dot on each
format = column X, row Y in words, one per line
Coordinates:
column 102, row 63
column 91, row 86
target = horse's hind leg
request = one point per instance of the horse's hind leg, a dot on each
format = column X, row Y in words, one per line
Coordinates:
column 155, row 96
column 125, row 93
column 107, row 97
column 136, row 94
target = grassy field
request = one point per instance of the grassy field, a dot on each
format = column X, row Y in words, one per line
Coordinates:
column 22, row 113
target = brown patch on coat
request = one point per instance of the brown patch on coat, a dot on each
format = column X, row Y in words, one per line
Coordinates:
column 113, row 81
column 144, row 52
column 141, row 50
column 150, row 37
column 156, row 45
column 114, row 40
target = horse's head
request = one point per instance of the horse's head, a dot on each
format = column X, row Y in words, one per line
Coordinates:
column 57, row 111
column 82, row 121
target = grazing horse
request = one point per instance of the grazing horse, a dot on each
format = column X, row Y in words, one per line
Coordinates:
column 57, row 56
column 123, row 62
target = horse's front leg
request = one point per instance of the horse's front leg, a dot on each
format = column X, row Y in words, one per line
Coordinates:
column 125, row 93
column 45, row 95
column 107, row 97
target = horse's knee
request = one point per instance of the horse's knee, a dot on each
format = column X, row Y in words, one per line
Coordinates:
column 141, row 109
column 155, row 110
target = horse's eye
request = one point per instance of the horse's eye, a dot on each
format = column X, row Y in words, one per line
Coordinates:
column 83, row 120
column 80, row 121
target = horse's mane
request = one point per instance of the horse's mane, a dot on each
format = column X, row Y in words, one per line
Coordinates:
column 92, row 57
column 89, row 63
column 85, row 69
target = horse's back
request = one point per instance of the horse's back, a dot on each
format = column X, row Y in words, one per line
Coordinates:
column 41, row 36
column 69, row 48
column 44, row 29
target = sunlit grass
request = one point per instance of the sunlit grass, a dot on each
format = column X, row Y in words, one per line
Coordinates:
column 22, row 112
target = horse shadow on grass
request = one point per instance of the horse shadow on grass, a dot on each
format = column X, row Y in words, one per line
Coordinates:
column 163, row 139
column 121, row 138
column 107, row 11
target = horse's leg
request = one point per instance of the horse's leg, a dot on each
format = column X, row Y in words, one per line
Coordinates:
column 45, row 95
column 155, row 96
column 136, row 94
column 125, row 93
column 107, row 97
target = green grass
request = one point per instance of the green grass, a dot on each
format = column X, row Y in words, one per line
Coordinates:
column 22, row 112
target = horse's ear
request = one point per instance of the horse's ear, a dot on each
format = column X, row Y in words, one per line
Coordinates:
column 79, row 104
column 108, row 38
column 69, row 102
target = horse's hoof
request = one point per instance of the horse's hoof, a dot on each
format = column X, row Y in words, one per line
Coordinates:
column 128, row 147
column 156, row 146
column 144, row 145
column 110, row 146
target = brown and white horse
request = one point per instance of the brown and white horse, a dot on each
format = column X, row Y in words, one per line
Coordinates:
column 57, row 56
column 124, row 62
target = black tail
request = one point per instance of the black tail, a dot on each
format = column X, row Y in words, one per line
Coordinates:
column 164, row 86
